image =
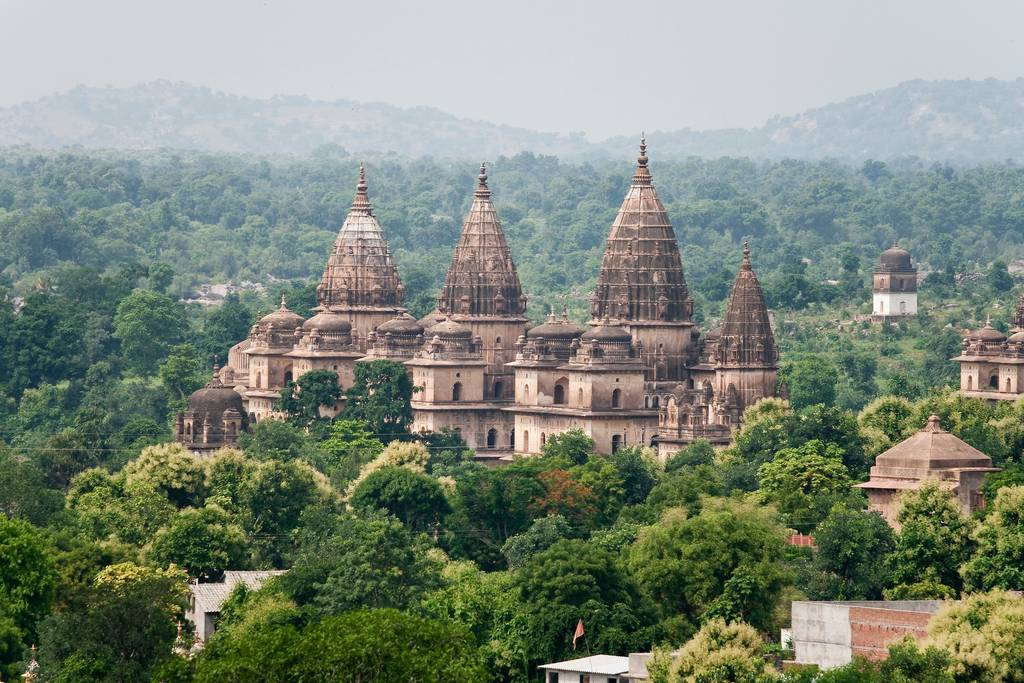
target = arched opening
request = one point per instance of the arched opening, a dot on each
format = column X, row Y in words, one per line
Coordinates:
column 287, row 375
column 616, row 442
column 457, row 391
column 526, row 440
column 580, row 395
column 616, row 398
column 656, row 403
column 561, row 389
column 881, row 306
column 1007, row 385
column 993, row 382
column 259, row 377
column 526, row 391
column 543, row 439
column 903, row 308
column 970, row 382
column 188, row 429
column 512, row 439
column 492, row 438
column 499, row 388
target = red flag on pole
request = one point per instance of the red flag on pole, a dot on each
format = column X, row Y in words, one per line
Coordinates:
column 579, row 634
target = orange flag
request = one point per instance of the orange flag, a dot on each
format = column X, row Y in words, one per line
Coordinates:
column 579, row 634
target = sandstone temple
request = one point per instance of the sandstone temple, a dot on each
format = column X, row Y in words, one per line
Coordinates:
column 639, row 373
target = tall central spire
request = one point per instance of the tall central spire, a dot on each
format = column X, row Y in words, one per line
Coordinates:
column 641, row 277
column 482, row 279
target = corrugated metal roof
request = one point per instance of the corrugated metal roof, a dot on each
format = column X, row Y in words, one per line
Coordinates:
column 609, row 665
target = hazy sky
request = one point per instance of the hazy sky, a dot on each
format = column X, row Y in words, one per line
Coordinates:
column 599, row 67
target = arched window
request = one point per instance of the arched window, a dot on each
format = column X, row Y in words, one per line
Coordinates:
column 881, row 306
column 287, row 376
column 492, row 438
column 457, row 391
column 656, row 403
column 188, row 429
column 970, row 382
column 526, row 391
column 580, row 394
column 512, row 439
column 1007, row 384
column 498, row 389
column 616, row 398
column 526, row 440
column 993, row 382
column 543, row 439
column 561, row 388
column 616, row 441
column 258, row 378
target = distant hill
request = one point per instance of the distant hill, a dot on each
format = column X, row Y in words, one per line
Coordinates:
column 162, row 114
column 967, row 121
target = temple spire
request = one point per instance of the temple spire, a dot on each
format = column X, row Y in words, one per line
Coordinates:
column 641, row 277
column 482, row 278
column 360, row 271
column 746, row 337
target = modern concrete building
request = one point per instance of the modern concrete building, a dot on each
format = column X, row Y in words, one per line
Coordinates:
column 593, row 669
column 830, row 634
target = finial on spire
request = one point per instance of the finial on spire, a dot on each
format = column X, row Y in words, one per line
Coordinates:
column 746, row 252
column 642, row 159
column 642, row 175
column 284, row 303
column 565, row 313
column 362, row 199
column 481, row 182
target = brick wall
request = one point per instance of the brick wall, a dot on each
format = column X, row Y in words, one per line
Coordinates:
column 872, row 630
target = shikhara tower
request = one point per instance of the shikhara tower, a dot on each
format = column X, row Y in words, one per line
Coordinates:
column 361, row 281
column 641, row 285
column 482, row 291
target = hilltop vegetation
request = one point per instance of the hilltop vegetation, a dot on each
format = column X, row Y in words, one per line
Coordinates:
column 962, row 121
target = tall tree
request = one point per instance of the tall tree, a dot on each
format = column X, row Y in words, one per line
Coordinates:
column 381, row 396
column 147, row 325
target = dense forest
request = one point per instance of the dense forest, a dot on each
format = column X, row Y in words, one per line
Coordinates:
column 407, row 560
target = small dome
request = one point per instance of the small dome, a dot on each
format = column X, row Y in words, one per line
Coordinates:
column 607, row 333
column 215, row 398
column 987, row 334
column 403, row 324
column 431, row 319
column 283, row 317
column 896, row 258
column 556, row 329
column 715, row 333
column 1017, row 337
column 449, row 328
column 325, row 321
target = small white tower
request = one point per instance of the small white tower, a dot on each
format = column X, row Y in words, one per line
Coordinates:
column 894, row 290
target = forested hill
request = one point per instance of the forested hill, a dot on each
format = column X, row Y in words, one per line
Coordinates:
column 965, row 121
column 162, row 114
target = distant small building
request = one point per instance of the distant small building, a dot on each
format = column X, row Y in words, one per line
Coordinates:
column 894, row 287
column 930, row 454
column 992, row 364
column 831, row 634
column 206, row 599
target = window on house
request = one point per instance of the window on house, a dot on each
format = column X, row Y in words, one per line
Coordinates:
column 498, row 389
column 616, row 398
column 457, row 391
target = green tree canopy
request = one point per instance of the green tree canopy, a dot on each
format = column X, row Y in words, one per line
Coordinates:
column 147, row 325
column 380, row 396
